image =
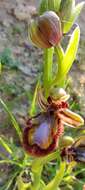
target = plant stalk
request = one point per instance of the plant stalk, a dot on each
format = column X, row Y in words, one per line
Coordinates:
column 37, row 167
column 36, row 174
column 47, row 73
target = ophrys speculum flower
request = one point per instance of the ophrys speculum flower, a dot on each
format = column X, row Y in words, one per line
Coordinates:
column 41, row 136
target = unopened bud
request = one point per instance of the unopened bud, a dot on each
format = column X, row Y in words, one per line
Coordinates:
column 66, row 141
column 59, row 93
column 45, row 31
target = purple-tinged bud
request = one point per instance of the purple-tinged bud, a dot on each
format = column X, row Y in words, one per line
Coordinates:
column 76, row 151
column 45, row 31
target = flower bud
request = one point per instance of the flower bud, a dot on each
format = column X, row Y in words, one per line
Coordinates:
column 59, row 94
column 66, row 141
column 45, row 31
column 76, row 151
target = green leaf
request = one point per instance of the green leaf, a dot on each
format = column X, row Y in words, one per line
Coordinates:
column 42, row 184
column 71, row 51
column 69, row 187
column 69, row 57
column 33, row 104
column 70, row 167
column 54, row 5
column 59, row 53
column 54, row 184
column 7, row 161
column 3, row 156
column 5, row 145
column 42, row 7
column 15, row 151
column 66, row 9
column 13, row 120
column 49, row 5
column 9, row 183
column 75, row 13
column 0, row 68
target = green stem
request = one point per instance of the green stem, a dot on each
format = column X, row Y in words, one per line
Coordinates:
column 0, row 67
column 47, row 74
column 50, row 157
column 36, row 174
column 37, row 167
column 60, row 56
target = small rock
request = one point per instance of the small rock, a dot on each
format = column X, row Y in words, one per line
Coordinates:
column 82, row 66
column 7, row 22
column 24, row 12
column 25, row 69
column 82, row 80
